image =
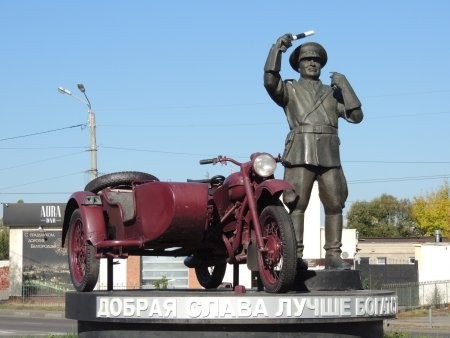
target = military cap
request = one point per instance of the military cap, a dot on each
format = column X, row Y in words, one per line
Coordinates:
column 308, row 49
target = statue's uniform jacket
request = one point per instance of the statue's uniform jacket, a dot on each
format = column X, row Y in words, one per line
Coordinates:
column 312, row 110
column 312, row 116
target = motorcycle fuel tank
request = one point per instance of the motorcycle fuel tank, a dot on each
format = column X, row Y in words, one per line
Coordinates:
column 234, row 183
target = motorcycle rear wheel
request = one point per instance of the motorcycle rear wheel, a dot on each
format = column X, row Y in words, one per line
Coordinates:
column 210, row 277
column 83, row 265
column 277, row 263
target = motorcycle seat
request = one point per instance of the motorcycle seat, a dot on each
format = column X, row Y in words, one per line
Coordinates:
column 124, row 199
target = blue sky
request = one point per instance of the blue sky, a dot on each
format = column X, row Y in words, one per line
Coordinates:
column 172, row 82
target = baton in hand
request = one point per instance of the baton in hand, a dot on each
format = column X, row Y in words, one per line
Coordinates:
column 302, row 35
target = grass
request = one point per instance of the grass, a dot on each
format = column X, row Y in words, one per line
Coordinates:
column 424, row 312
column 415, row 313
column 19, row 305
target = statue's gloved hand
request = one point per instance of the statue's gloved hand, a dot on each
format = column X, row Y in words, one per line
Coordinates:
column 284, row 42
column 338, row 79
column 346, row 95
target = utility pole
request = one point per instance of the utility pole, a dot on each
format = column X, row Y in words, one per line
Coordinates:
column 92, row 127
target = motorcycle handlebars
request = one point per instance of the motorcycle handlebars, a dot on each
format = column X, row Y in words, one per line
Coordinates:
column 219, row 159
column 208, row 161
column 222, row 159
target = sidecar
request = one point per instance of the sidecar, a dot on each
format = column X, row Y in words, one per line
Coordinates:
column 131, row 213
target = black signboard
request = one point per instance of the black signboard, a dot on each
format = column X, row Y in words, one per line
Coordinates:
column 44, row 260
column 33, row 214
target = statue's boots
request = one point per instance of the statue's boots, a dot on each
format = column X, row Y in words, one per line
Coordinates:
column 333, row 238
column 298, row 220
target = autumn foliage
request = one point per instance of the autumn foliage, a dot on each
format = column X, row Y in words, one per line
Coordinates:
column 432, row 211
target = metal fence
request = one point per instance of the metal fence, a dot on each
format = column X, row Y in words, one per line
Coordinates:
column 410, row 295
column 414, row 295
column 4, row 294
column 39, row 295
column 45, row 294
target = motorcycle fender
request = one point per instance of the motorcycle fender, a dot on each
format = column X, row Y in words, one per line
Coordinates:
column 274, row 186
column 91, row 212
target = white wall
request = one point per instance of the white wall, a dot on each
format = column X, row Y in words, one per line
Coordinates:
column 433, row 267
column 15, row 261
column 119, row 274
column 313, row 222
column 433, row 259
column 245, row 275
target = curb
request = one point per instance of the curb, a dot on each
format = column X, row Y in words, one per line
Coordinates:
column 33, row 313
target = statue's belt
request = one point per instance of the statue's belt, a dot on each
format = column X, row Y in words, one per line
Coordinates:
column 316, row 129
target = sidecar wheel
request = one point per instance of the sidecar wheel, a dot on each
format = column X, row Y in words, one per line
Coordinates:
column 277, row 263
column 123, row 178
column 210, row 277
column 83, row 265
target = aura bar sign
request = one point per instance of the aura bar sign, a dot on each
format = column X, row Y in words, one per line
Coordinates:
column 33, row 214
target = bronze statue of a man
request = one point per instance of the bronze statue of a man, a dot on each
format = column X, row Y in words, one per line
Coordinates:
column 312, row 146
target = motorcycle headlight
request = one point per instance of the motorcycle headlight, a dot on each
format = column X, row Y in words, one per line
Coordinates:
column 264, row 165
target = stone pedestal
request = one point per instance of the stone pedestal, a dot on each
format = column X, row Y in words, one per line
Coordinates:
column 220, row 313
column 327, row 280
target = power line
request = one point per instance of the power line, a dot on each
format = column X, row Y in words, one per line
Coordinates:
column 251, row 124
column 197, row 154
column 410, row 93
column 42, row 148
column 42, row 180
column 155, row 151
column 40, row 161
column 400, row 162
column 400, row 179
column 267, row 102
column 42, row 132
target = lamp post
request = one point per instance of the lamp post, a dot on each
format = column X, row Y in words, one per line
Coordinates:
column 91, row 122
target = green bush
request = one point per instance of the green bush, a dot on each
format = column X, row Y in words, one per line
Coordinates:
column 4, row 242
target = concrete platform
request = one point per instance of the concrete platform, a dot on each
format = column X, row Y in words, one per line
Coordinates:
column 327, row 280
column 219, row 313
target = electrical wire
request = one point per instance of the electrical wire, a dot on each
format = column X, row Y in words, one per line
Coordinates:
column 41, row 161
column 43, row 132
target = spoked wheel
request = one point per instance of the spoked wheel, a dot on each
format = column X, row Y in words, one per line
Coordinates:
column 118, row 179
column 83, row 265
column 210, row 277
column 277, row 263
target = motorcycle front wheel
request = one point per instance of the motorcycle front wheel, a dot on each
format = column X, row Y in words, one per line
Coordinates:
column 210, row 277
column 277, row 262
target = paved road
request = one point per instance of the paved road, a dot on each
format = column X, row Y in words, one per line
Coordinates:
column 35, row 323
column 44, row 323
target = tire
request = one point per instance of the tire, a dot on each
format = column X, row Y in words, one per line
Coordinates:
column 210, row 277
column 123, row 178
column 277, row 263
column 83, row 265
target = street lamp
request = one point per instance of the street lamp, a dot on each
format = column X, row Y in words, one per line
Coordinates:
column 91, row 122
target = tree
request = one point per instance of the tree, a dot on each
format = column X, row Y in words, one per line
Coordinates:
column 384, row 216
column 432, row 211
column 4, row 241
column 161, row 283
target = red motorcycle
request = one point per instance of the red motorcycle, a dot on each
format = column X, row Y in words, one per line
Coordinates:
column 223, row 220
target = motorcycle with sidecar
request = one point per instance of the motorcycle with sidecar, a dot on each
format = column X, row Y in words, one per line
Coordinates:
column 238, row 219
